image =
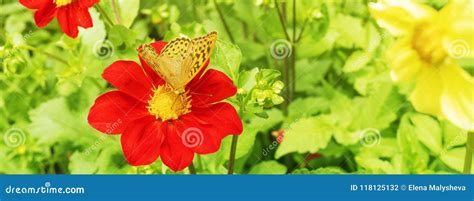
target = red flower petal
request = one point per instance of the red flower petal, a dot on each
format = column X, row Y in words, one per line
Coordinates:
column 83, row 17
column 149, row 71
column 87, row 3
column 129, row 78
column 67, row 20
column 201, row 138
column 45, row 14
column 35, row 4
column 112, row 112
column 173, row 152
column 221, row 116
column 141, row 141
column 203, row 129
column 212, row 87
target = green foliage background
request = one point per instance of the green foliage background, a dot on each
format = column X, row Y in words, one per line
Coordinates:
column 339, row 92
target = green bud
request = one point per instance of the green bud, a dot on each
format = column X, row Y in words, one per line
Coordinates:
column 276, row 99
column 278, row 86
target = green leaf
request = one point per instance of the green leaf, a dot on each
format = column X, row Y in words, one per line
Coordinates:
column 268, row 167
column 333, row 150
column 351, row 32
column 373, row 37
column 415, row 158
column 323, row 170
column 247, row 138
column 310, row 48
column 306, row 135
column 53, row 122
column 356, row 61
column 214, row 163
column 10, row 8
column 309, row 73
column 257, row 124
column 252, row 51
column 83, row 163
column 386, row 147
column 104, row 156
column 381, row 157
column 377, row 110
column 428, row 131
column 122, row 12
column 95, row 34
column 306, row 107
column 120, row 34
column 319, row 26
column 452, row 135
column 374, row 164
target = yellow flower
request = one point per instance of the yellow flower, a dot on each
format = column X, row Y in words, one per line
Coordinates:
column 427, row 49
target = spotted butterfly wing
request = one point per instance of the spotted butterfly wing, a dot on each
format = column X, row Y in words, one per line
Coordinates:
column 181, row 59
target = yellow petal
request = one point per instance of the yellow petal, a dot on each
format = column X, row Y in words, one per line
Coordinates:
column 399, row 17
column 426, row 97
column 457, row 100
column 456, row 20
column 403, row 60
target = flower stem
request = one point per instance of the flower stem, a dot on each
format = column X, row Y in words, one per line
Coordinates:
column 192, row 169
column 287, row 64
column 224, row 22
column 103, row 13
column 468, row 158
column 293, row 56
column 294, row 20
column 298, row 38
column 233, row 150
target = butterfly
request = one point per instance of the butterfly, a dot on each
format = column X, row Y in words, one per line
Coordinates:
column 180, row 60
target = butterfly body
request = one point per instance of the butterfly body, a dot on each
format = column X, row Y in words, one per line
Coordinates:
column 180, row 60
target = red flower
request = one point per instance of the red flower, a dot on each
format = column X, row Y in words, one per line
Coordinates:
column 154, row 121
column 70, row 13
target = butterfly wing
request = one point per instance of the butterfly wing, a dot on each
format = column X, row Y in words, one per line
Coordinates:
column 169, row 62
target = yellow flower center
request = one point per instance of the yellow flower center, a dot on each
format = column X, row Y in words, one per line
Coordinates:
column 427, row 42
column 168, row 104
column 60, row 3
